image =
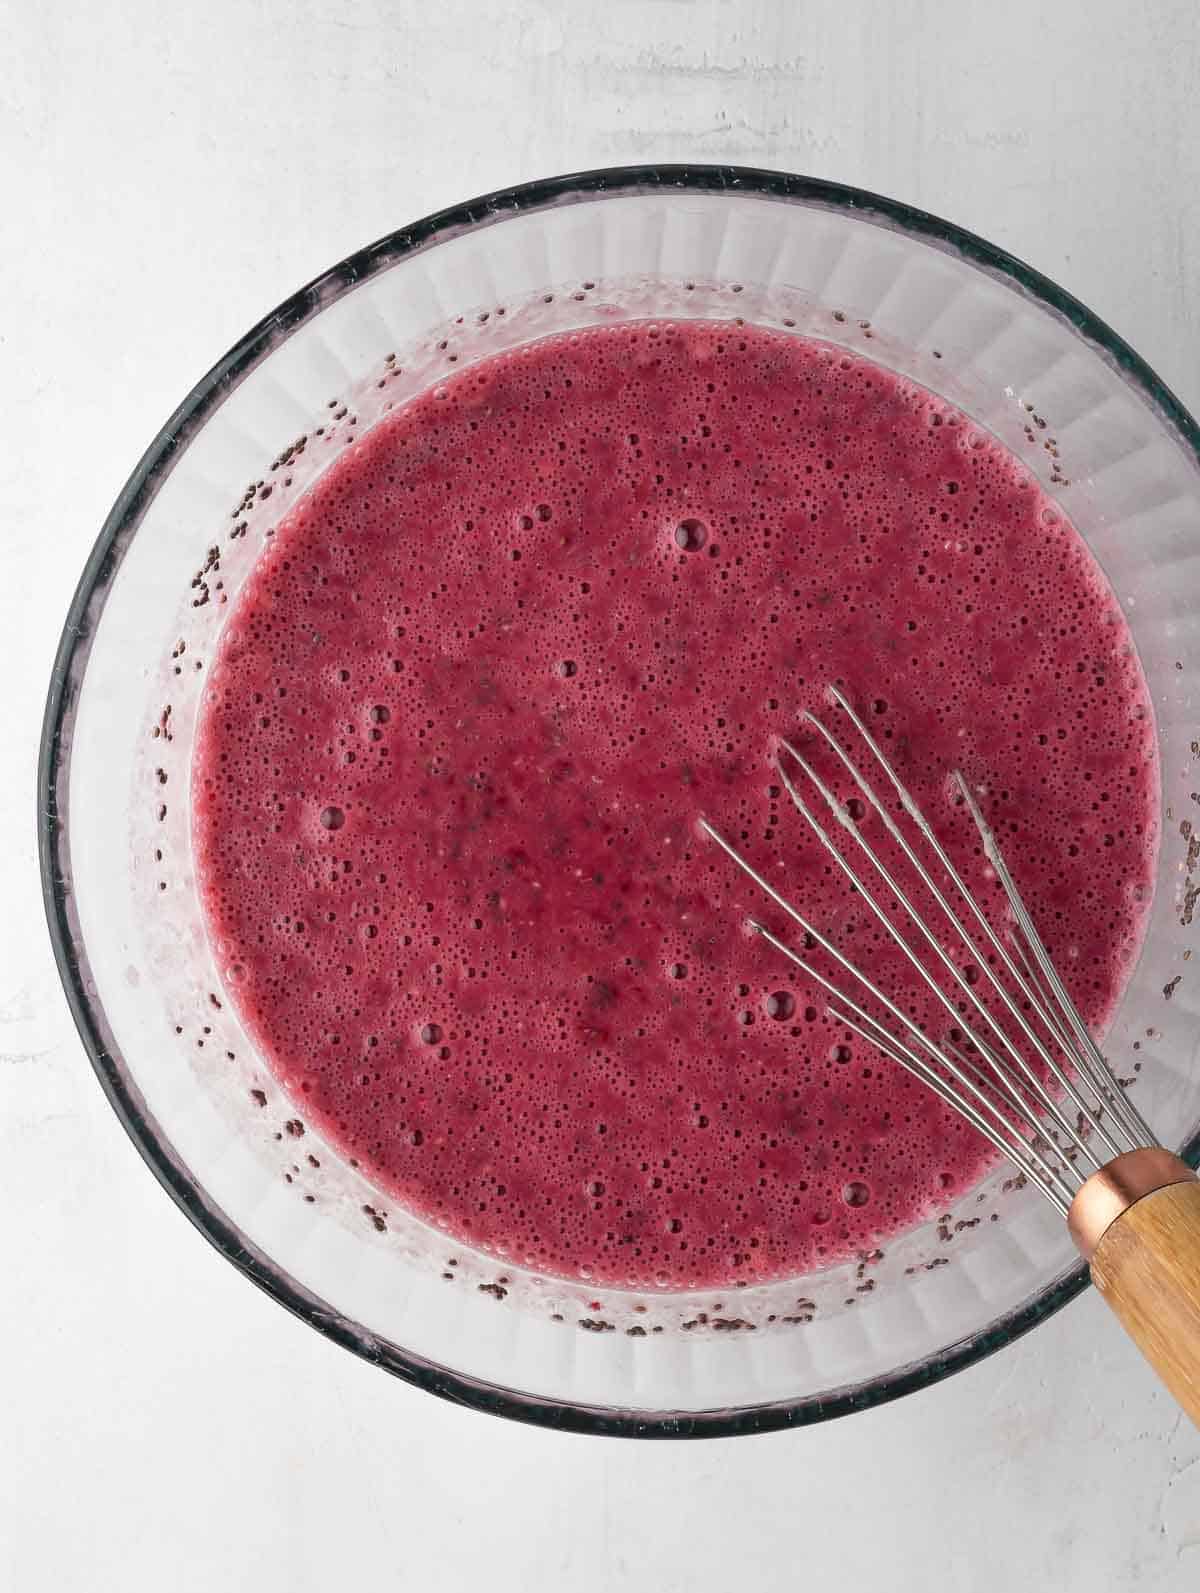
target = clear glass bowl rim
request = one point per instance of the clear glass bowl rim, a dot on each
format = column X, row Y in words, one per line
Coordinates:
column 70, row 660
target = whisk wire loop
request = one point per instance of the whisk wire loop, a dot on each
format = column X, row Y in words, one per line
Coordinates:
column 1045, row 1129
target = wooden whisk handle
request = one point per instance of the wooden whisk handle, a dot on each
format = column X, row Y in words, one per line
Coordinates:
column 1138, row 1223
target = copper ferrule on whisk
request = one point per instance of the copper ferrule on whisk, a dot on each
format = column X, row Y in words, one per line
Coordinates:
column 1118, row 1185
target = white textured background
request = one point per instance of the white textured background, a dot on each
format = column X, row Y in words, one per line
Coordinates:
column 168, row 172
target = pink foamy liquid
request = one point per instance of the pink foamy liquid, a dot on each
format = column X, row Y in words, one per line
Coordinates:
column 471, row 701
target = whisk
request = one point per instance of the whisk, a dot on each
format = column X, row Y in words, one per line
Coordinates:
column 1019, row 1063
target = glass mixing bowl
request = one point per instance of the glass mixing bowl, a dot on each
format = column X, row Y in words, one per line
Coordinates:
column 1021, row 357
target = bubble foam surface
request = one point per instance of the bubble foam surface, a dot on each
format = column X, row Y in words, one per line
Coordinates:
column 477, row 690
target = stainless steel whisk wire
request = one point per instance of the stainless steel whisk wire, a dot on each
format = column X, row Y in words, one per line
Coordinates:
column 1091, row 1120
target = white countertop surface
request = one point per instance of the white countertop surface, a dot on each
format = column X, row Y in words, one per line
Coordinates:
column 168, row 173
